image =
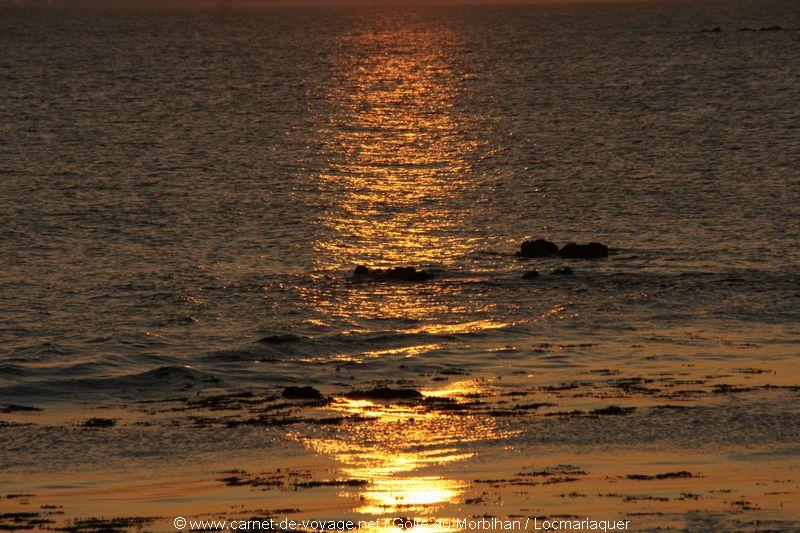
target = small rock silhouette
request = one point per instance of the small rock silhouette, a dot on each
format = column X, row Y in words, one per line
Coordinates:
column 384, row 393
column 392, row 274
column 532, row 274
column 301, row 393
column 538, row 248
column 99, row 423
column 592, row 250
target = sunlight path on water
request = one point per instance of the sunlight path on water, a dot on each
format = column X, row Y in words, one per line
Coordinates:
column 400, row 452
column 397, row 158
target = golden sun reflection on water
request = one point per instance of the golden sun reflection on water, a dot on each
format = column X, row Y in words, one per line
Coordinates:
column 397, row 179
column 401, row 450
column 395, row 150
column 415, row 349
column 397, row 159
column 463, row 327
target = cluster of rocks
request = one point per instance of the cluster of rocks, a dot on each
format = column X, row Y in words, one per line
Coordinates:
column 378, row 393
column 544, row 248
column 392, row 274
column 537, row 248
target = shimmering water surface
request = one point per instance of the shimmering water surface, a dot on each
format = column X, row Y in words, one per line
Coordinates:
column 174, row 187
column 177, row 186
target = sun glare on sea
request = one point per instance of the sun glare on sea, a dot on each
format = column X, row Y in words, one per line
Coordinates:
column 394, row 151
column 396, row 450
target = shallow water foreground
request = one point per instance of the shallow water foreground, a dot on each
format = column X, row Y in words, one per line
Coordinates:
column 710, row 446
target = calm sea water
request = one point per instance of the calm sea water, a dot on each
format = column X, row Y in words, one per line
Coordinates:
column 176, row 186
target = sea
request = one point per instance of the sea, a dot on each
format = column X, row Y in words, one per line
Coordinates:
column 184, row 195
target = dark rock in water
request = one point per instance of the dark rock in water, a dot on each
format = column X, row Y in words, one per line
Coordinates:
column 331, row 483
column 747, row 29
column 384, row 393
column 713, row 30
column 15, row 408
column 99, row 423
column 566, row 271
column 407, row 274
column 531, row 274
column 584, row 251
column 302, row 393
column 683, row 474
column 393, row 274
column 538, row 248
column 772, row 28
column 613, row 410
column 279, row 339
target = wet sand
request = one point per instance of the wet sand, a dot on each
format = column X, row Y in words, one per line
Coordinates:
column 703, row 446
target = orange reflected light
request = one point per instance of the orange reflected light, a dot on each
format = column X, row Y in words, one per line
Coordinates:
column 396, row 161
column 395, row 450
column 396, row 153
